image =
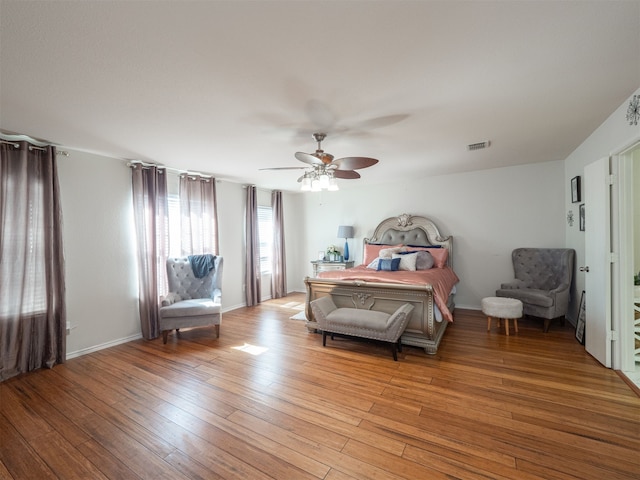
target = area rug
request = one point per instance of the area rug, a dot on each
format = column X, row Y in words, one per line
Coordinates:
column 299, row 316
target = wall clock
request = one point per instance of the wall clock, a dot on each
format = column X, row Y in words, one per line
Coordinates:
column 633, row 112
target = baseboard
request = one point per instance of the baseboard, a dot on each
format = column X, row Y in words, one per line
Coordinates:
column 95, row 348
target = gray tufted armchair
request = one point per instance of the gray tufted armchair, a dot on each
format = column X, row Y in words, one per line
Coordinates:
column 192, row 301
column 542, row 282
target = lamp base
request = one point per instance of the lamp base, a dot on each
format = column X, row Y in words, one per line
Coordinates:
column 346, row 250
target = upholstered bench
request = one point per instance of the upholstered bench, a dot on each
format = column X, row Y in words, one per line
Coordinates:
column 502, row 308
column 362, row 323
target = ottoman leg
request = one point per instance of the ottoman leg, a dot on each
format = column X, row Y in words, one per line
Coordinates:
column 515, row 324
column 488, row 324
column 506, row 326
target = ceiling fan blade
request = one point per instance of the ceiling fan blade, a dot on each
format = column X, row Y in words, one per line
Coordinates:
column 352, row 163
column 317, row 158
column 283, row 168
column 308, row 158
column 346, row 174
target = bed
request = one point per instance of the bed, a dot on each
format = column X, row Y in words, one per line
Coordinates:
column 431, row 292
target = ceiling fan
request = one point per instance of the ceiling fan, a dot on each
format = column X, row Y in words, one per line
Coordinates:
column 324, row 169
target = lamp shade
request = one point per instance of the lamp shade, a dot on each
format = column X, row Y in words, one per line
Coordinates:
column 345, row 231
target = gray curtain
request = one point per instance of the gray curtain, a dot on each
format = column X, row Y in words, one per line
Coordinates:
column 150, row 210
column 198, row 215
column 32, row 288
column 252, row 272
column 279, row 268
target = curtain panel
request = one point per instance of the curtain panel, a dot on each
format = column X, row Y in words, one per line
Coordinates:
column 198, row 215
column 279, row 268
column 32, row 285
column 150, row 209
column 252, row 256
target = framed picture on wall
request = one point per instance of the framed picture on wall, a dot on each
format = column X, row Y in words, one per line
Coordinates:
column 582, row 312
column 581, row 217
column 575, row 189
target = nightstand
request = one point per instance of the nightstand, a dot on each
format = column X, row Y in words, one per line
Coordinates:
column 322, row 266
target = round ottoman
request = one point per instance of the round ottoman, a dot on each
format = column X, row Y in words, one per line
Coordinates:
column 502, row 308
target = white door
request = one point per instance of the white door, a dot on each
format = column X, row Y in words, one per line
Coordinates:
column 597, row 268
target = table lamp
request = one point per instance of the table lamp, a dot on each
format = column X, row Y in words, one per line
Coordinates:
column 346, row 232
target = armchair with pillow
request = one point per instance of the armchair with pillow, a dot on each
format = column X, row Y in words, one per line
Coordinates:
column 542, row 282
column 195, row 294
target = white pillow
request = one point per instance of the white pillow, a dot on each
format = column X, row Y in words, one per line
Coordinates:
column 374, row 265
column 388, row 252
column 407, row 261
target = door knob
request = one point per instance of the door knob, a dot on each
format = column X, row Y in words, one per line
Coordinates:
column 584, row 269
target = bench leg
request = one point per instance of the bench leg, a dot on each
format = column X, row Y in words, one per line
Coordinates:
column 393, row 350
column 324, row 338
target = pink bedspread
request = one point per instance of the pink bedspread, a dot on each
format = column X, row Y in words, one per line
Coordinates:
column 442, row 280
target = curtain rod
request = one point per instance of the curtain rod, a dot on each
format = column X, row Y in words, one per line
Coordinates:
column 131, row 163
column 34, row 147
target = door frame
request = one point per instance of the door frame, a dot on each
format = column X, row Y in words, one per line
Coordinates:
column 623, row 238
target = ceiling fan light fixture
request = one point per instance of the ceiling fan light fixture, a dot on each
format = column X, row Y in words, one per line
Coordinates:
column 306, row 184
column 324, row 180
column 333, row 185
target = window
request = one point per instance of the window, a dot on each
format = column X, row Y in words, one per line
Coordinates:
column 265, row 234
column 173, row 201
column 24, row 247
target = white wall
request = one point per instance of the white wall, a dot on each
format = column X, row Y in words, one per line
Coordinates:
column 100, row 255
column 489, row 213
column 613, row 135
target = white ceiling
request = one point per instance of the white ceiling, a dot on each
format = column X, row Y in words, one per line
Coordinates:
column 229, row 87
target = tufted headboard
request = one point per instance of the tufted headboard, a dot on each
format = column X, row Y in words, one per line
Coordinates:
column 411, row 230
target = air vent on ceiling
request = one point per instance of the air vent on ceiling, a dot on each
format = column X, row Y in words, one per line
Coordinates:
column 479, row 145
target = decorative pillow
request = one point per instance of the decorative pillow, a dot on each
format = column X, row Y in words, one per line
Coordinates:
column 439, row 254
column 170, row 298
column 374, row 265
column 424, row 261
column 407, row 261
column 389, row 264
column 389, row 252
column 371, row 251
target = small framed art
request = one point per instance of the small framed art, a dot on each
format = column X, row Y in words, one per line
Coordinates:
column 580, row 322
column 575, row 189
column 581, row 217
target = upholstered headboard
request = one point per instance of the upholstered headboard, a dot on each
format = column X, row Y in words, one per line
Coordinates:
column 411, row 230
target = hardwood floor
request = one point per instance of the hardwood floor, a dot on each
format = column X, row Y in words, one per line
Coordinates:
column 266, row 400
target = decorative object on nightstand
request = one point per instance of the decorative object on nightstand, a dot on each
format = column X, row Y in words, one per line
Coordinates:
column 346, row 232
column 332, row 254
